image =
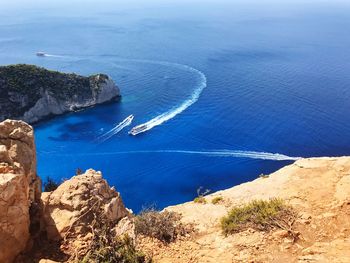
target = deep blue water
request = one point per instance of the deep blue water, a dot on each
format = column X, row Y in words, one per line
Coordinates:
column 277, row 80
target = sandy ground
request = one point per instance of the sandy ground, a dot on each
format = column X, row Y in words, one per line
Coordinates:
column 318, row 189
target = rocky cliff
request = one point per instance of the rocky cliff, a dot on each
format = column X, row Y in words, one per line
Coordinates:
column 33, row 223
column 20, row 188
column 31, row 93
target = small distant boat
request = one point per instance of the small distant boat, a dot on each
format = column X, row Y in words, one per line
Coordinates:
column 127, row 120
column 120, row 126
column 40, row 54
column 138, row 129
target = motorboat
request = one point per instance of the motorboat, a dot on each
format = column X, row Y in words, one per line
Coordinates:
column 138, row 129
column 40, row 54
column 127, row 120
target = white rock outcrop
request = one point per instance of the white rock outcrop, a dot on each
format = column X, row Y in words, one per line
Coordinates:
column 103, row 90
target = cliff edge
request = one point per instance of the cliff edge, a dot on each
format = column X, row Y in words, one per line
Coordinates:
column 31, row 93
column 318, row 189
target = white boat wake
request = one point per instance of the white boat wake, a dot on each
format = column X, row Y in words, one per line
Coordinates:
column 158, row 120
column 238, row 154
column 43, row 54
column 209, row 153
column 53, row 56
column 126, row 122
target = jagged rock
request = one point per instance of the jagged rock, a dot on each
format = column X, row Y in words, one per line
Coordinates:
column 125, row 227
column 14, row 216
column 20, row 188
column 71, row 208
column 18, row 154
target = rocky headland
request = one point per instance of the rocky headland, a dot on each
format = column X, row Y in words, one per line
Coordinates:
column 31, row 93
column 85, row 220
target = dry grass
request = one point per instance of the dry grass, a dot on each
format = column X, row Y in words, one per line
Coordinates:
column 105, row 247
column 260, row 215
column 164, row 226
column 217, row 200
column 201, row 192
column 200, row 200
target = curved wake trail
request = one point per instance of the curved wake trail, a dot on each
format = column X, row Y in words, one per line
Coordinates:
column 53, row 56
column 210, row 153
column 158, row 120
column 104, row 137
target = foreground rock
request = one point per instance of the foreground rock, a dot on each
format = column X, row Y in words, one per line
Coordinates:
column 20, row 188
column 31, row 93
column 72, row 207
column 318, row 188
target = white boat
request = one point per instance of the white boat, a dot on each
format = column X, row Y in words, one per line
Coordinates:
column 138, row 129
column 127, row 120
column 40, row 54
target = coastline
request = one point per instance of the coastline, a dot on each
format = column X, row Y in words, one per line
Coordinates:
column 31, row 93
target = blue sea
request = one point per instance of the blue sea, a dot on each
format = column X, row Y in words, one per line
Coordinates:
column 229, row 89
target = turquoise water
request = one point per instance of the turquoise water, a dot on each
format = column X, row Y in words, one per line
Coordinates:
column 228, row 89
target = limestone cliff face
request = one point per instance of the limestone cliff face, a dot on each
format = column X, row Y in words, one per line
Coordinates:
column 20, row 188
column 31, row 93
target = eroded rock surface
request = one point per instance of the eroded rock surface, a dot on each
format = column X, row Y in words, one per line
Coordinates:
column 72, row 207
column 20, row 188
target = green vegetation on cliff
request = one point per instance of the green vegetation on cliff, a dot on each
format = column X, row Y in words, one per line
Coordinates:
column 260, row 215
column 30, row 80
column 21, row 86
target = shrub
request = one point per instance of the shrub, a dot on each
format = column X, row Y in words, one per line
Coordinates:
column 217, row 200
column 164, row 226
column 260, row 215
column 106, row 248
column 78, row 171
column 101, row 243
column 200, row 195
column 50, row 185
column 200, row 200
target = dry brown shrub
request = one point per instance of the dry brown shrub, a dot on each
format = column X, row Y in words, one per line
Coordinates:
column 164, row 226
